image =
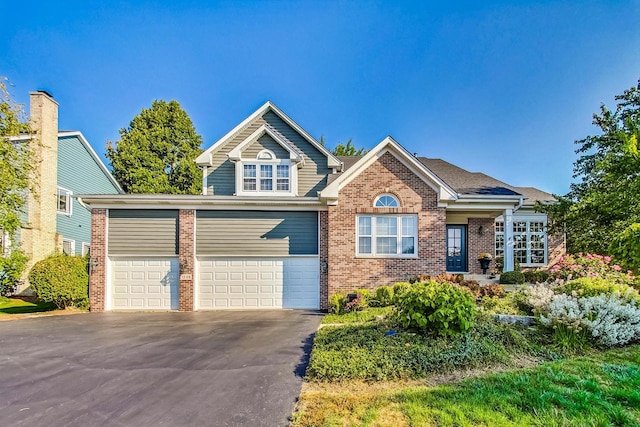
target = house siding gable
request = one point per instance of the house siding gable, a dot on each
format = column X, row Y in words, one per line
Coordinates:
column 79, row 172
column 265, row 142
column 386, row 175
column 312, row 177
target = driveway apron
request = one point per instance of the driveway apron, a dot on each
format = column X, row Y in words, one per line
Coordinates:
column 225, row 368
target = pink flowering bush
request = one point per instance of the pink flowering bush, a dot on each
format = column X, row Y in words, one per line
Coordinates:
column 590, row 265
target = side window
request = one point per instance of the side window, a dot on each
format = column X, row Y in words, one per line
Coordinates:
column 69, row 246
column 64, row 201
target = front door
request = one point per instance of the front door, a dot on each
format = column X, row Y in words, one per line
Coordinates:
column 456, row 248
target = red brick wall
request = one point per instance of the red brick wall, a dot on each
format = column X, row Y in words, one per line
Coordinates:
column 98, row 277
column 556, row 248
column 186, row 258
column 386, row 175
column 478, row 244
column 324, row 259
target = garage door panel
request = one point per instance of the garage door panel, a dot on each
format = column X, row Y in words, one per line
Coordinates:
column 259, row 283
column 145, row 284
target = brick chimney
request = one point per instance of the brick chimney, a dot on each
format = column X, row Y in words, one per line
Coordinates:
column 39, row 238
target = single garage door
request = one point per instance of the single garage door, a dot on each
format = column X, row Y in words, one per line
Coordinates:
column 259, row 283
column 145, row 284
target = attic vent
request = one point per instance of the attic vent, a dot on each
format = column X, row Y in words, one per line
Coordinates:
column 266, row 155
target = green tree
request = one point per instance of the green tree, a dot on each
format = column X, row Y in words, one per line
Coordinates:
column 348, row 149
column 606, row 198
column 16, row 166
column 156, row 153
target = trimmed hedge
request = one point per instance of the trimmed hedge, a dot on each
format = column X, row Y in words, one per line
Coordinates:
column 512, row 278
column 62, row 280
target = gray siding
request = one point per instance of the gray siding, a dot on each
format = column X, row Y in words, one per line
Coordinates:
column 143, row 232
column 265, row 142
column 256, row 233
column 312, row 177
column 79, row 172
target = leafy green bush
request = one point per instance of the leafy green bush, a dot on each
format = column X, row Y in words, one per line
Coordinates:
column 511, row 278
column 364, row 295
column 384, row 296
column 62, row 280
column 594, row 286
column 11, row 268
column 337, row 303
column 536, row 276
column 400, row 288
column 625, row 248
column 510, row 304
column 441, row 308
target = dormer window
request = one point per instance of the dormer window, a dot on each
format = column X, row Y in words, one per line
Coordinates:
column 266, row 175
column 386, row 201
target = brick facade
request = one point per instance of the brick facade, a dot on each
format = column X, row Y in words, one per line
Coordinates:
column 186, row 258
column 556, row 248
column 98, row 262
column 324, row 259
column 479, row 240
column 386, row 175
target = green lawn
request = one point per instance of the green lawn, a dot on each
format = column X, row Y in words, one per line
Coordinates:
column 602, row 389
column 18, row 306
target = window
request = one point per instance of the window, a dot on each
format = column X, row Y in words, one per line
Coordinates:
column 69, row 246
column 5, row 244
column 266, row 175
column 64, row 201
column 86, row 249
column 386, row 201
column 386, row 235
column 529, row 240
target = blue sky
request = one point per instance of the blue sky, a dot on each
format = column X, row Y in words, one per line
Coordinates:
column 500, row 87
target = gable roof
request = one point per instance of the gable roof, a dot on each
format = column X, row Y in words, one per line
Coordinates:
column 267, row 129
column 93, row 154
column 388, row 145
column 204, row 159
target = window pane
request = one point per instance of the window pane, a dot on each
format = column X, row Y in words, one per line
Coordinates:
column 364, row 245
column 408, row 226
column 283, row 171
column 283, row 185
column 249, row 171
column 62, row 202
column 266, row 171
column 387, row 226
column 521, row 256
column 266, row 184
column 519, row 226
column 408, row 246
column 536, row 227
column 364, row 226
column 249, row 184
column 386, row 245
column 499, row 227
column 386, row 201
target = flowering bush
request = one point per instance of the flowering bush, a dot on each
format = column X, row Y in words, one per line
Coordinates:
column 608, row 319
column 537, row 297
column 594, row 286
column 590, row 265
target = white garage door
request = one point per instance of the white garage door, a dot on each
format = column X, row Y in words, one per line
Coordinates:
column 145, row 284
column 290, row 282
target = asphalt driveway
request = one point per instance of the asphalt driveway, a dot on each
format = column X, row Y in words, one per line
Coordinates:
column 236, row 368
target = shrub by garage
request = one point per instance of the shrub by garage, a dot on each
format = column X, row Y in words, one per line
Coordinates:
column 62, row 280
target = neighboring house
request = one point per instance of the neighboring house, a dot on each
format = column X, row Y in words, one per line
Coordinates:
column 283, row 223
column 66, row 165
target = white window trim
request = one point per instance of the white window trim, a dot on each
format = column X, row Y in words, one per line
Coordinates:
column 5, row 243
column 399, row 236
column 68, row 194
column 86, row 248
column 293, row 177
column 73, row 246
column 528, row 219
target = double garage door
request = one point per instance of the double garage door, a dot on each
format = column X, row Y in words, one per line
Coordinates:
column 222, row 283
column 244, row 259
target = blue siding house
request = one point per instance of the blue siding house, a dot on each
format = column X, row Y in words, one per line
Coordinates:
column 80, row 171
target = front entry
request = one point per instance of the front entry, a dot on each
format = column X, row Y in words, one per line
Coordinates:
column 456, row 248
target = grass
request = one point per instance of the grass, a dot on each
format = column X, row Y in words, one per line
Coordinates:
column 376, row 351
column 599, row 389
column 20, row 306
column 363, row 316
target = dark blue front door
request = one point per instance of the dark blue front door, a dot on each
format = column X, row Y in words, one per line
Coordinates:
column 456, row 248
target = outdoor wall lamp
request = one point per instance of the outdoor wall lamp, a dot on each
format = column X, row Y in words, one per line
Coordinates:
column 481, row 230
